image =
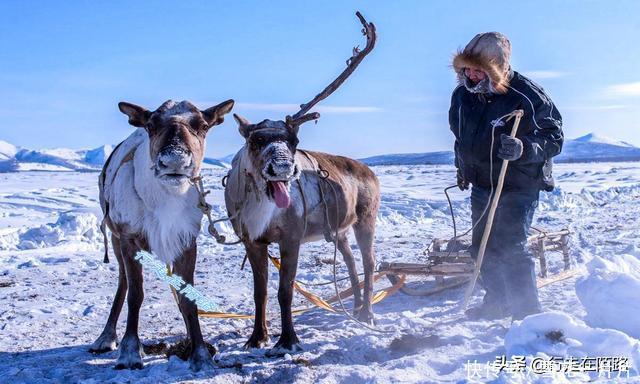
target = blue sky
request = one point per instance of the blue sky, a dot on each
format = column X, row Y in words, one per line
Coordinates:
column 65, row 65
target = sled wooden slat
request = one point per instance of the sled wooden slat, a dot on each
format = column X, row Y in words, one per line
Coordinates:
column 459, row 265
column 566, row 274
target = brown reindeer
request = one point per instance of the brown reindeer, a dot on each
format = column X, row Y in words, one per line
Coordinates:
column 149, row 204
column 275, row 194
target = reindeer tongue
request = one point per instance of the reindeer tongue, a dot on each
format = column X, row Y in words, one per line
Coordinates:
column 280, row 194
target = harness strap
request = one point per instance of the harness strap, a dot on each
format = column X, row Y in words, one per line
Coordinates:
column 323, row 175
column 304, row 207
column 105, row 217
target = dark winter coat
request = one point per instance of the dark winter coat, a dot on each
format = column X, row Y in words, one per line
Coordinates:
column 471, row 116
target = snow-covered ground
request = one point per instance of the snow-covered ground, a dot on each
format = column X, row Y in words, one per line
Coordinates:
column 56, row 292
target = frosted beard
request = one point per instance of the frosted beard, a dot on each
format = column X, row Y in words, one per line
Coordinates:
column 483, row 86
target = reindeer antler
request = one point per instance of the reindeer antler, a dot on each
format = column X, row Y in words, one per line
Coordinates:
column 301, row 116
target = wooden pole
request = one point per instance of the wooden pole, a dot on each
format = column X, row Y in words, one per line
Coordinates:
column 492, row 211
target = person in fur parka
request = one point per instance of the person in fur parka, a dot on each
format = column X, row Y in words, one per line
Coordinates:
column 488, row 90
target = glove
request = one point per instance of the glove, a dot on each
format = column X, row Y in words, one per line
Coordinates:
column 462, row 183
column 510, row 148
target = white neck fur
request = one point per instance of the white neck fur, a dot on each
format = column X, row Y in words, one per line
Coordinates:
column 256, row 209
column 171, row 219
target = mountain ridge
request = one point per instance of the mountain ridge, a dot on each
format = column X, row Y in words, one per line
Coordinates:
column 16, row 159
column 587, row 148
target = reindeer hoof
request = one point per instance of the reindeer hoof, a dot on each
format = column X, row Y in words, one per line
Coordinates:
column 256, row 342
column 281, row 351
column 130, row 354
column 201, row 360
column 136, row 365
column 366, row 317
column 285, row 346
column 106, row 342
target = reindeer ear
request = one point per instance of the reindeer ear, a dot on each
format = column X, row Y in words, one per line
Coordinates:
column 215, row 115
column 138, row 116
column 243, row 125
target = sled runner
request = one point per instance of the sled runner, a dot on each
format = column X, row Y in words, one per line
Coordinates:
column 450, row 265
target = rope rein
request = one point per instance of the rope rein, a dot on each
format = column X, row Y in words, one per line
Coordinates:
column 455, row 237
column 206, row 210
column 323, row 175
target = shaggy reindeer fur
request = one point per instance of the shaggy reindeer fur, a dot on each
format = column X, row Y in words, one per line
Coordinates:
column 138, row 201
column 259, row 222
column 149, row 204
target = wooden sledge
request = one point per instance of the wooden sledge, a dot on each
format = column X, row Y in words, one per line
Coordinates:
column 453, row 268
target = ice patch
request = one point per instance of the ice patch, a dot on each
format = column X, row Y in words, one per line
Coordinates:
column 610, row 293
column 98, row 156
column 70, row 226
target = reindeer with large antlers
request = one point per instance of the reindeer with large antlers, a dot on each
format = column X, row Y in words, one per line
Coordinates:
column 276, row 193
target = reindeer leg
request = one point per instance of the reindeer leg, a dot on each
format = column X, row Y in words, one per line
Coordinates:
column 259, row 259
column 200, row 357
column 364, row 230
column 108, row 340
column 130, row 348
column 345, row 250
column 288, row 341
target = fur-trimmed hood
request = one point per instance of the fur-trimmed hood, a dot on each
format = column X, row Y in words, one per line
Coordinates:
column 490, row 51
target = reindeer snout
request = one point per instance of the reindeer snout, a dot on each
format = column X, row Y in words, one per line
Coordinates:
column 174, row 160
column 280, row 169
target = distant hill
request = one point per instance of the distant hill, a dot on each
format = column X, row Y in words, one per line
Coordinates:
column 587, row 148
column 214, row 162
column 594, row 148
column 584, row 149
column 16, row 159
column 443, row 157
column 7, row 150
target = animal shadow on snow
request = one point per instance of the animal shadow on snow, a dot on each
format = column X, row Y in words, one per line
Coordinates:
column 75, row 363
column 348, row 348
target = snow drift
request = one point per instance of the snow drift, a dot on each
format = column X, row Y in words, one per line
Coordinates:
column 559, row 334
column 610, row 293
column 70, row 226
